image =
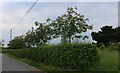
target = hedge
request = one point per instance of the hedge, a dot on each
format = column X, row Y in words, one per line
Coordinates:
column 75, row 56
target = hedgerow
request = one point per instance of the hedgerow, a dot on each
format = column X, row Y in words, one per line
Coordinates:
column 74, row 56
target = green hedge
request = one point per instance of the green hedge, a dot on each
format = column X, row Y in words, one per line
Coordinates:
column 74, row 56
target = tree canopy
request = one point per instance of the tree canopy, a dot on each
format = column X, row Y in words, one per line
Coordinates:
column 107, row 35
column 41, row 35
column 17, row 43
column 70, row 24
column 67, row 26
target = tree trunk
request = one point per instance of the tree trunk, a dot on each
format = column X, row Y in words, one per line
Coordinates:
column 69, row 39
column 64, row 39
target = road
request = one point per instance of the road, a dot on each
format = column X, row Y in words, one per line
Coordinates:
column 10, row 64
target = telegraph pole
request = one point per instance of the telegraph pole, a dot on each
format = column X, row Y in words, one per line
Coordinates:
column 10, row 37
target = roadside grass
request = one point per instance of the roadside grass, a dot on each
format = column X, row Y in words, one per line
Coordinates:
column 108, row 60
column 8, row 50
column 40, row 66
column 44, row 67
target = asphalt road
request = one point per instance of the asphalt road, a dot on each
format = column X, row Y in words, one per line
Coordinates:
column 10, row 64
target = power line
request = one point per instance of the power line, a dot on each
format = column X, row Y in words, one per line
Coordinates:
column 26, row 13
column 22, row 17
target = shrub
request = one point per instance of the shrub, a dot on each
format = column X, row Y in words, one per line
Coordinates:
column 22, row 53
column 75, row 56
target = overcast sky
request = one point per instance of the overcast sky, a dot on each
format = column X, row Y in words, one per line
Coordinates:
column 99, row 14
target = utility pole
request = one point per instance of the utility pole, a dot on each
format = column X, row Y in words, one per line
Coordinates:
column 10, row 37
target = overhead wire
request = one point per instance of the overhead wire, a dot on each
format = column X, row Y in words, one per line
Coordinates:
column 26, row 13
column 23, row 17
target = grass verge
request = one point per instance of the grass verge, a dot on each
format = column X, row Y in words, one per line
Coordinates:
column 108, row 61
column 40, row 66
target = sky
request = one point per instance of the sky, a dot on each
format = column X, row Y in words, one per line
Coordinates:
column 98, row 13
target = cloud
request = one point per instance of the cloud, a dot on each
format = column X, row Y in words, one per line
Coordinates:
column 10, row 19
column 100, row 14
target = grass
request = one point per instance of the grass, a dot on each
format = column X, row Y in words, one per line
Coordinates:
column 40, row 66
column 108, row 61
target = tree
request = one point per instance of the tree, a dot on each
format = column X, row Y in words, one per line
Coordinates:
column 69, row 25
column 17, row 43
column 30, row 38
column 85, row 37
column 43, row 32
column 41, row 35
column 66, row 26
column 116, row 34
column 107, row 35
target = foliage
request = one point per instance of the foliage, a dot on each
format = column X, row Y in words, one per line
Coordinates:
column 69, row 25
column 75, row 56
column 113, row 46
column 29, row 39
column 40, row 35
column 43, row 32
column 107, row 35
column 66, row 26
column 17, row 43
column 108, row 60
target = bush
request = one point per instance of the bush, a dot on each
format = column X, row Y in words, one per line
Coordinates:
column 75, row 56
column 111, row 47
column 19, row 53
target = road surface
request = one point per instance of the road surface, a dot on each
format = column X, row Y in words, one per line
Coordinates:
column 10, row 64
